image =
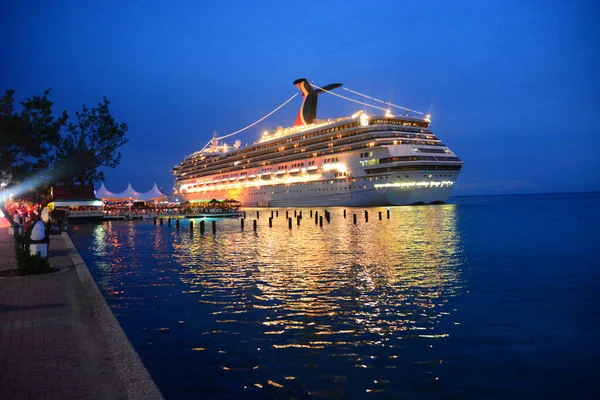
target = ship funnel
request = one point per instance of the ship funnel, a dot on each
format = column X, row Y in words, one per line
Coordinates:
column 308, row 110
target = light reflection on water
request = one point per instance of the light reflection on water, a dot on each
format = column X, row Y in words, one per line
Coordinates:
column 338, row 311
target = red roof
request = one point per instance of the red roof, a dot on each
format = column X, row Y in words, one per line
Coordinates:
column 73, row 192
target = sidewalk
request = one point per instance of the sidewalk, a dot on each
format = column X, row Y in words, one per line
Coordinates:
column 53, row 341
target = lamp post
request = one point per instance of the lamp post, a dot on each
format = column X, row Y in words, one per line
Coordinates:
column 3, row 185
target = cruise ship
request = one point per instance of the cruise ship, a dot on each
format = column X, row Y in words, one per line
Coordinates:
column 359, row 160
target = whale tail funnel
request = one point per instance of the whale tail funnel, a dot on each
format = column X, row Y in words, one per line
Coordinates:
column 308, row 110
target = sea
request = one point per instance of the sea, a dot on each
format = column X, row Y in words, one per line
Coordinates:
column 487, row 297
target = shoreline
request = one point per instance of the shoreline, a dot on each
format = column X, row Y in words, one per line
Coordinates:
column 129, row 367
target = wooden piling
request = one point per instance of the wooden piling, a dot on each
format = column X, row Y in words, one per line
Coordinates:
column 214, row 227
column 161, row 221
column 298, row 219
column 202, row 227
column 311, row 213
column 321, row 221
column 254, row 225
column 155, row 220
column 290, row 223
column 177, row 223
column 257, row 215
column 380, row 215
column 388, row 214
column 277, row 213
column 191, row 228
column 354, row 216
column 366, row 216
column 271, row 222
column 344, row 214
column 169, row 221
column 286, row 214
column 242, row 223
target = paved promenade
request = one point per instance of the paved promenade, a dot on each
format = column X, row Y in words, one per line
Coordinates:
column 58, row 338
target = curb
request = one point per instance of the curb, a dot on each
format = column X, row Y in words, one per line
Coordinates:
column 130, row 368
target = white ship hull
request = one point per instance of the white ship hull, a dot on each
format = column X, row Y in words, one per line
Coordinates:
column 337, row 193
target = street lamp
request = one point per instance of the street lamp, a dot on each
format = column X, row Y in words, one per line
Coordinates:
column 3, row 185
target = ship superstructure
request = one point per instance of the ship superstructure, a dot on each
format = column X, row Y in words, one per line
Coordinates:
column 361, row 160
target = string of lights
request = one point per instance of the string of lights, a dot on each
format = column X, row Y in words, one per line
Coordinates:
column 381, row 101
column 324, row 90
column 252, row 124
column 349, row 99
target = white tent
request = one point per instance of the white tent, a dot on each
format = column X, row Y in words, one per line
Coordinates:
column 103, row 193
column 130, row 194
column 154, row 194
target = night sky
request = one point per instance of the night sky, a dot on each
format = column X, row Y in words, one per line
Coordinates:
column 513, row 87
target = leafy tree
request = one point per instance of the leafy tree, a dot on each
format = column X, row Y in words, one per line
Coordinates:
column 39, row 150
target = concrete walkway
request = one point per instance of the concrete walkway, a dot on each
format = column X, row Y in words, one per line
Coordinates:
column 58, row 338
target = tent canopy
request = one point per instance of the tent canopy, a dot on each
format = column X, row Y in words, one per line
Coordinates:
column 130, row 194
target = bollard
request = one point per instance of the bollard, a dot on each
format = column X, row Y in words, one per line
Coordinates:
column 257, row 215
column 254, row 225
column 354, row 215
column 290, row 223
column 344, row 214
column 161, row 221
column 202, row 227
column 242, row 223
column 155, row 220
column 366, row 216
column 388, row 214
column 177, row 223
column 380, row 215
column 271, row 222
column 321, row 221
column 298, row 218
column 214, row 226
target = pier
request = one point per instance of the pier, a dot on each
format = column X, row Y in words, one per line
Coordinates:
column 320, row 217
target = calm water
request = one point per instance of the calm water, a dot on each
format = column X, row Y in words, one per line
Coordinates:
column 489, row 297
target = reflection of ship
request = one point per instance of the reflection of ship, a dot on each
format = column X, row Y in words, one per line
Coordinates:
column 343, row 275
column 360, row 160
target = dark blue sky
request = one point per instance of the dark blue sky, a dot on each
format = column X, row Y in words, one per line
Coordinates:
column 513, row 87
